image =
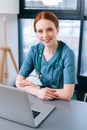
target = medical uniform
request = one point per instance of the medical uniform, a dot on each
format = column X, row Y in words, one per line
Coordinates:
column 56, row 72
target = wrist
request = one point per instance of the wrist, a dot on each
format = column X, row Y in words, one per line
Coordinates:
column 37, row 90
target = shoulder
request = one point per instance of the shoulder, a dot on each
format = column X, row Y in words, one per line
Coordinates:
column 68, row 56
column 34, row 50
column 67, row 51
column 37, row 47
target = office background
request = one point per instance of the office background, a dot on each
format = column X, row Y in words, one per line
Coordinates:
column 73, row 26
column 73, row 30
column 9, row 10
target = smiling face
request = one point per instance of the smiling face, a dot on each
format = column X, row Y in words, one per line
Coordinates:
column 46, row 32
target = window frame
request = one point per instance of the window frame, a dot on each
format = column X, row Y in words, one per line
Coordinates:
column 31, row 13
column 77, row 14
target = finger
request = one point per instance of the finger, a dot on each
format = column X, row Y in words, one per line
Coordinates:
column 47, row 98
column 52, row 90
column 22, row 84
column 55, row 95
column 51, row 96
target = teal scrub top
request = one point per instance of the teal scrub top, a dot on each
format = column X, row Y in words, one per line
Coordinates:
column 52, row 75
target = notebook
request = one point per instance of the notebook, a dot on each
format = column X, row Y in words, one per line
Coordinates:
column 16, row 106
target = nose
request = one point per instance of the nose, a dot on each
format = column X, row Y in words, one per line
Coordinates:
column 45, row 34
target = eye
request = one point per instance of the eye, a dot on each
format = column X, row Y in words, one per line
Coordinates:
column 39, row 31
column 50, row 29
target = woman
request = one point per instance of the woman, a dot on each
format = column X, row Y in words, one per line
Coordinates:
column 52, row 60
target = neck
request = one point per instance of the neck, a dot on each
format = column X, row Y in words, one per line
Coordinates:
column 49, row 51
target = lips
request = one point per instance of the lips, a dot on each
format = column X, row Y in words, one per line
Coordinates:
column 47, row 40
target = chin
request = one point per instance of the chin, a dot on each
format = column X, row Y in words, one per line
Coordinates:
column 47, row 43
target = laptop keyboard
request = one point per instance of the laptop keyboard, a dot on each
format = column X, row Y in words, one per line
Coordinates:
column 35, row 113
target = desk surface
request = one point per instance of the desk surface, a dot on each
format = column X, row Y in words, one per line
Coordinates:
column 68, row 115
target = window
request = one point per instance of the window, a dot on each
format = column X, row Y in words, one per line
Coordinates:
column 86, row 7
column 71, row 19
column 51, row 4
column 29, row 8
column 84, row 52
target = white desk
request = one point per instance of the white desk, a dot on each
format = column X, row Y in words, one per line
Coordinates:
column 68, row 115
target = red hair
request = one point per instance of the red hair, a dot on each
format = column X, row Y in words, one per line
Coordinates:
column 48, row 16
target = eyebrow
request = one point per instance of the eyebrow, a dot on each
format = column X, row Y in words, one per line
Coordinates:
column 46, row 28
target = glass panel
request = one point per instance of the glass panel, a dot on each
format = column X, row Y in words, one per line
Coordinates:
column 69, row 33
column 86, row 7
column 84, row 52
column 51, row 4
column 29, row 36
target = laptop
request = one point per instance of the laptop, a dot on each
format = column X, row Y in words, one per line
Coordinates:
column 16, row 106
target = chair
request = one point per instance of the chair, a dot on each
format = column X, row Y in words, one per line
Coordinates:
column 85, row 97
column 81, row 87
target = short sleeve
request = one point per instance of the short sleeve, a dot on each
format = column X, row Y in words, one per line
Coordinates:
column 27, row 66
column 69, row 67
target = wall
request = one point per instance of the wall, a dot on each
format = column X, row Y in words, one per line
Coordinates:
column 10, row 8
column 12, row 41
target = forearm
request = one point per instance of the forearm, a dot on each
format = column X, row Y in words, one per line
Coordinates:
column 66, row 93
column 27, row 86
column 30, row 89
column 63, row 95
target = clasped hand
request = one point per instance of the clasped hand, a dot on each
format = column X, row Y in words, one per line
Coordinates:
column 47, row 93
column 42, row 93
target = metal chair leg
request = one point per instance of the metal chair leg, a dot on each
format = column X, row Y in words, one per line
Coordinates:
column 85, row 97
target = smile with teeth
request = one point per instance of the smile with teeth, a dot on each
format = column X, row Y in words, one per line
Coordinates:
column 46, row 40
